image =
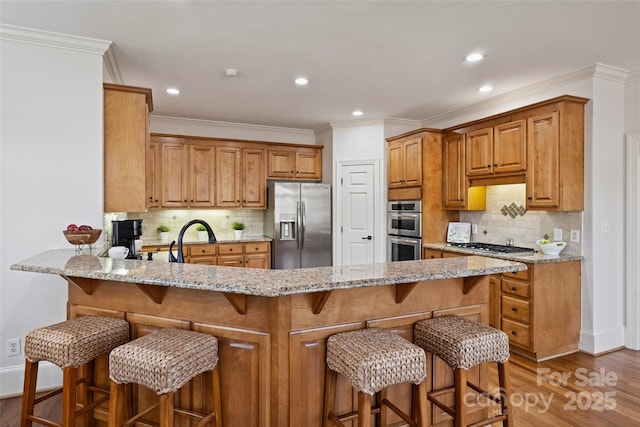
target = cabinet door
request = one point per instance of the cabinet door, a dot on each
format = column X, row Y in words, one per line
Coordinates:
column 254, row 182
column 543, row 171
column 153, row 174
column 454, row 178
column 175, row 175
column 495, row 311
column 413, row 162
column 245, row 377
column 228, row 183
column 256, row 261
column 308, row 163
column 510, row 147
column 202, row 175
column 281, row 163
column 479, row 152
column 125, row 141
column 395, row 168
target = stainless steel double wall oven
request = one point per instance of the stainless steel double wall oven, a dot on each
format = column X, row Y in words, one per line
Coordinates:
column 404, row 228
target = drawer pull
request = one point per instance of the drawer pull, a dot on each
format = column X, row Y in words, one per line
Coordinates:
column 513, row 288
column 514, row 333
column 514, row 309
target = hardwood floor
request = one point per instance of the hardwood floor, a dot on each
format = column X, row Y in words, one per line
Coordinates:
column 574, row 390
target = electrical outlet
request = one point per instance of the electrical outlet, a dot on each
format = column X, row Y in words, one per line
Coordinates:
column 474, row 228
column 224, row 225
column 604, row 226
column 557, row 234
column 13, row 347
column 575, row 236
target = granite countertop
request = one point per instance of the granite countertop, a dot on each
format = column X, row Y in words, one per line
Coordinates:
column 249, row 281
column 244, row 239
column 532, row 258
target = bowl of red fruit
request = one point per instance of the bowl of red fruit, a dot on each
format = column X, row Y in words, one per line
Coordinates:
column 81, row 235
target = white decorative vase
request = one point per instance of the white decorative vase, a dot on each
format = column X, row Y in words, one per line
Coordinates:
column 238, row 234
column 164, row 236
column 203, row 236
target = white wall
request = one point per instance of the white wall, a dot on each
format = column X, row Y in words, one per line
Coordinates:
column 50, row 176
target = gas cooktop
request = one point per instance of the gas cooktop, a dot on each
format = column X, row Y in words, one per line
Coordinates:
column 489, row 247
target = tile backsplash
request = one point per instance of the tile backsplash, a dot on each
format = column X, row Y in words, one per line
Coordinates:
column 176, row 218
column 505, row 217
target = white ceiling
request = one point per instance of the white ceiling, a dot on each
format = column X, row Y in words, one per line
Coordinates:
column 390, row 59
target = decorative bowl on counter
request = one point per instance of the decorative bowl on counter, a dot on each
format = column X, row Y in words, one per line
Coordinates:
column 550, row 248
column 84, row 237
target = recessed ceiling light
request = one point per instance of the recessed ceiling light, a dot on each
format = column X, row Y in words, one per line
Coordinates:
column 357, row 113
column 173, row 91
column 301, row 81
column 485, row 89
column 230, row 72
column 474, row 57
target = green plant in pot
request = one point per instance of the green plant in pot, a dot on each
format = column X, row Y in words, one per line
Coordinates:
column 238, row 227
column 163, row 230
column 202, row 233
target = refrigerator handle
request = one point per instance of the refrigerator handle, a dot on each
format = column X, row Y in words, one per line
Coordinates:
column 298, row 225
column 303, row 224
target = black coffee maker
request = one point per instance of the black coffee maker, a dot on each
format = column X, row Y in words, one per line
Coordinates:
column 125, row 233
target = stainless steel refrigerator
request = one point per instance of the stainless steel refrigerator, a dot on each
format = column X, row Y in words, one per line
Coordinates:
column 298, row 219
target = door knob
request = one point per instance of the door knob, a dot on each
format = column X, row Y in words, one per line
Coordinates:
column 367, row 238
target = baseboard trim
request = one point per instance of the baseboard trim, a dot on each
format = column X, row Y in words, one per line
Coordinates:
column 12, row 377
column 603, row 342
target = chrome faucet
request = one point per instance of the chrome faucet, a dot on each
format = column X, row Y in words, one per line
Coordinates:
column 180, row 258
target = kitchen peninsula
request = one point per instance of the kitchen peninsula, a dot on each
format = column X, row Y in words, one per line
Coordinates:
column 272, row 325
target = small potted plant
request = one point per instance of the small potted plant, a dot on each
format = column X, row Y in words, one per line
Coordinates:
column 238, row 227
column 163, row 230
column 203, row 236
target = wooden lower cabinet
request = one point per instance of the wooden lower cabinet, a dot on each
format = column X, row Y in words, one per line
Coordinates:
column 248, row 255
column 495, row 311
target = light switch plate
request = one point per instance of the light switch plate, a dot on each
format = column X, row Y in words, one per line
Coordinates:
column 557, row 234
column 474, row 228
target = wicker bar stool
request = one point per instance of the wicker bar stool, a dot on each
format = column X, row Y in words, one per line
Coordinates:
column 73, row 345
column 163, row 362
column 463, row 344
column 373, row 359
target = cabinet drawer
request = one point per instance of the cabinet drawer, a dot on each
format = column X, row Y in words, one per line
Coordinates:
column 516, row 309
column 250, row 248
column 518, row 333
column 231, row 261
column 516, row 288
column 522, row 275
column 225, row 248
column 197, row 250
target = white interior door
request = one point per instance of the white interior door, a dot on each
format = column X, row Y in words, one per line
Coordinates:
column 357, row 214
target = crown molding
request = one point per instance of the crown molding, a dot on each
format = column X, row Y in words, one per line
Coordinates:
column 51, row 39
column 633, row 76
column 111, row 64
column 374, row 122
column 595, row 70
column 230, row 125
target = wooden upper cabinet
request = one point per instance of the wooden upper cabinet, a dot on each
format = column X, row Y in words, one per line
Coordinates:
column 153, row 174
column 202, row 175
column 497, row 150
column 254, row 183
column 404, row 163
column 454, row 183
column 287, row 162
column 240, row 176
column 126, row 136
column 543, row 186
column 175, row 174
column 228, row 184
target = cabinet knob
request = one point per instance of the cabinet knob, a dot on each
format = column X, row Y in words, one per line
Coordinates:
column 150, row 198
column 185, row 200
column 514, row 333
column 495, row 165
column 513, row 288
column 514, row 309
column 156, row 200
column 488, row 166
column 529, row 198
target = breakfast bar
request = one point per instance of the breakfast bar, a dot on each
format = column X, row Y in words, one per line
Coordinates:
column 272, row 325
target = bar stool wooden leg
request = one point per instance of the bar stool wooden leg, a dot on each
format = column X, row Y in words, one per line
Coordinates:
column 329, row 395
column 69, row 379
column 85, row 396
column 166, row 409
column 119, row 404
column 364, row 410
column 460, row 380
column 420, row 393
column 217, row 402
column 505, row 385
column 29, row 393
